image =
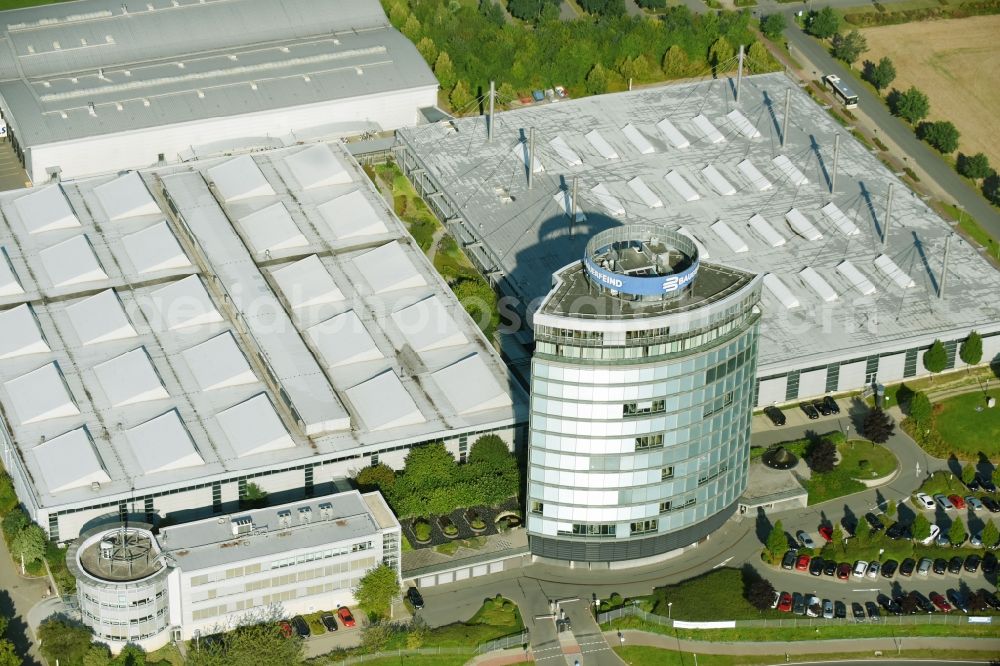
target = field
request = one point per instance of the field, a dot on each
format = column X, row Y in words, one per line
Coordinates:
column 958, row 74
column 967, row 430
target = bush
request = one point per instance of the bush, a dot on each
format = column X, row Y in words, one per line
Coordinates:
column 822, row 456
column 991, row 188
column 422, row 530
column 822, row 24
column 911, row 105
column 973, row 166
column 942, row 135
column 773, row 25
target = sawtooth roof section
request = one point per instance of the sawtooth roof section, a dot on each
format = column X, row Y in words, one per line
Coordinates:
column 70, row 461
column 20, row 334
column 780, row 291
column 155, row 249
column 46, row 209
column 239, row 178
column 317, row 166
column 307, row 283
column 162, row 444
column 650, row 198
column 427, row 325
column 272, row 229
column 388, row 268
column 730, row 237
column 839, row 220
column 795, row 177
column 753, row 174
column 382, row 402
column 766, row 231
column 253, row 427
column 218, row 363
column 707, row 129
column 470, row 386
column 638, row 139
column 40, row 395
column 183, row 304
column 891, row 270
column 9, row 284
column 130, row 378
column 72, row 262
column 674, row 136
column 610, row 202
column 681, row 186
column 601, row 145
column 567, row 154
column 856, row 277
column 521, row 153
column 564, row 199
column 718, row 181
column 351, row 215
column 342, row 340
column 818, row 284
column 744, row 126
column 100, row 318
column 802, row 226
column 126, row 197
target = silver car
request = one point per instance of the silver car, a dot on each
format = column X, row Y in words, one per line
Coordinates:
column 944, row 502
column 925, row 566
column 805, row 540
column 973, row 503
column 873, row 569
column 827, row 609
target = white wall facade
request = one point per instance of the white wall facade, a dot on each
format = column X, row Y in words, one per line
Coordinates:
column 812, row 382
column 771, row 391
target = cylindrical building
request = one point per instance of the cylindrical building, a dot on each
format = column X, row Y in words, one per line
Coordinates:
column 642, row 387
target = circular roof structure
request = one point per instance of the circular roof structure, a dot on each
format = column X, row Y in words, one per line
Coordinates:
column 641, row 262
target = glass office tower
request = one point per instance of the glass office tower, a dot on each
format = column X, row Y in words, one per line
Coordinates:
column 641, row 397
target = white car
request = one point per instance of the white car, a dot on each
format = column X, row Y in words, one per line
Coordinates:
column 873, row 569
column 925, row 501
column 813, row 607
column 777, row 597
column 860, row 568
column 935, row 531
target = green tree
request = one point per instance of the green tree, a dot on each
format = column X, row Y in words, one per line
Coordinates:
column 971, row 351
column 598, row 80
column 720, row 55
column 773, row 25
column 973, row 166
column 956, row 533
column 920, row 408
column 492, row 12
column 942, row 135
column 131, row 655
column 376, row 590
column 760, row 594
column 98, row 655
column 65, row 640
column 759, row 58
column 837, row 535
column 822, row 456
column 14, row 522
column 991, row 535
column 253, row 497
column 8, row 654
column 675, row 62
column 991, row 188
column 429, row 466
column 376, row 477
column 877, row 426
column 823, row 24
column 863, row 532
column 505, row 95
column 491, row 452
column 921, row 527
column 777, row 541
column 375, row 636
column 428, row 50
column 444, row 69
column 936, row 358
column 256, row 641
column 651, row 4
column 29, row 544
column 879, row 74
column 890, row 509
column 968, row 473
column 910, row 105
column 416, row 633
column 849, row 47
column 411, row 28
column 398, row 13
column 461, row 98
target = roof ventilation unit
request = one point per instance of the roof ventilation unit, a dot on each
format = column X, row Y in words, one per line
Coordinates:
column 284, row 518
column 326, row 511
column 305, row 515
column 242, row 525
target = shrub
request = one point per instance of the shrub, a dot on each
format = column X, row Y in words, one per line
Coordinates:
column 973, row 166
column 942, row 135
column 422, row 530
column 773, row 25
column 822, row 456
column 911, row 105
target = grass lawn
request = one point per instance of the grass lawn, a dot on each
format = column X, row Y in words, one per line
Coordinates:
column 493, row 620
column 971, row 226
column 19, row 4
column 651, row 656
column 421, row 660
column 717, row 595
column 966, row 430
column 168, row 655
column 314, row 622
column 864, row 460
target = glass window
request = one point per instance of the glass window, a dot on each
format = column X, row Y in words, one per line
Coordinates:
column 667, row 473
column 644, row 526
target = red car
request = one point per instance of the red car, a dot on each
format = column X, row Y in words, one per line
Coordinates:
column 785, row 603
column 844, row 571
column 940, row 603
column 802, row 564
column 826, row 532
column 285, row 629
column 344, row 613
column 956, row 501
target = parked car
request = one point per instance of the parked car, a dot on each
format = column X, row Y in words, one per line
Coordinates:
column 816, row 566
column 839, row 609
column 944, row 502
column 860, row 567
column 976, row 540
column 788, row 561
column 925, row 501
column 858, row 611
column 831, row 404
column 802, row 564
column 821, row 407
column 887, row 604
column 843, row 571
column 889, row 568
column 907, row 567
column 809, row 410
column 900, row 531
column 329, row 621
column 344, row 613
column 875, row 523
column 826, row 532
column 990, row 598
column 922, row 602
column 813, row 608
column 989, row 564
column 285, row 629
column 973, row 502
column 785, row 603
column 873, row 613
column 805, row 540
column 776, row 416
column 955, row 565
column 958, row 600
column 776, row 599
column 942, row 540
column 956, row 501
column 798, row 604
column 925, row 566
column 417, row 599
column 972, row 563
column 829, row 568
column 935, row 532
column 872, row 571
column 986, row 483
column 300, row 626
column 827, row 609
column 991, row 504
column 940, row 566
column 940, row 603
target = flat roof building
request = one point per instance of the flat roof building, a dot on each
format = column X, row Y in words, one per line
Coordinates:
column 162, row 347
column 95, row 86
column 853, row 293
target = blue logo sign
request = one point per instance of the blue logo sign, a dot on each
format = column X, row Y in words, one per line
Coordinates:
column 641, row 285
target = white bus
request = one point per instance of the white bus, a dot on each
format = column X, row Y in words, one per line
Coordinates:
column 846, row 96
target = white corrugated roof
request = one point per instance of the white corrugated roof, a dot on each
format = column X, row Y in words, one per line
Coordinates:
column 780, row 291
column 317, row 166
column 681, row 186
column 766, row 231
column 638, row 139
column 841, row 221
column 602, row 146
column 162, row 444
column 564, row 199
column 610, row 202
column 890, row 269
column 130, row 378
column 218, row 363
column 182, row 304
column 521, row 153
column 342, row 340
column 718, row 181
column 791, row 172
column 272, row 229
column 673, row 134
column 856, row 278
column 307, row 283
column 351, row 215
column 470, row 386
column 802, row 226
column 100, row 318
column 388, row 268
column 707, row 129
column 239, row 178
column 702, row 250
column 154, row 249
column 253, row 426
column 125, row 197
column 72, row 262
column 730, row 237
column 70, row 461
column 19, row 333
column 46, row 209
column 382, row 402
column 428, row 325
column 818, row 284
column 642, row 190
column 9, row 284
column 40, row 395
column 753, row 174
column 568, row 155
column 744, row 126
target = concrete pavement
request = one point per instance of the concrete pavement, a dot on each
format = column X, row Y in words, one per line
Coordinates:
column 17, row 596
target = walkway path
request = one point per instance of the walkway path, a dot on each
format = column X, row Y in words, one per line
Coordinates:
column 17, row 596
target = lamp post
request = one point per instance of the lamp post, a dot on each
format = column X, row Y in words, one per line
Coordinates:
column 670, row 606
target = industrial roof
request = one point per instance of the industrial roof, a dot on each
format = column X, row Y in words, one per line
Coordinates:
column 91, row 67
column 782, row 211
column 196, row 356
